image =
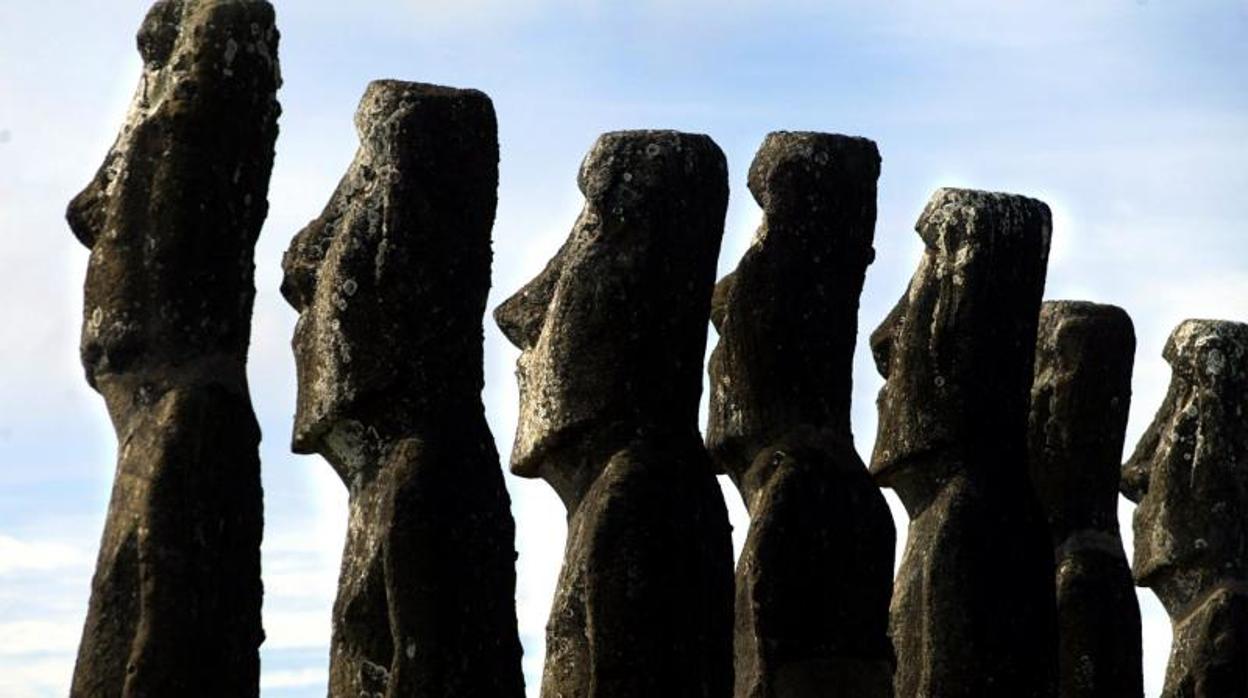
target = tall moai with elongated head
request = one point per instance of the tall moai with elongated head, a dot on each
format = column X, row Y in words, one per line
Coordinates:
column 1080, row 396
column 1189, row 475
column 171, row 219
column 973, row 610
column 815, row 576
column 390, row 283
column 613, row 333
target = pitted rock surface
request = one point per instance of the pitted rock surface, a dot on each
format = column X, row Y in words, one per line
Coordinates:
column 390, row 283
column 973, row 609
column 612, row 334
column 815, row 576
column 1079, row 401
column 171, row 219
column 1189, row 474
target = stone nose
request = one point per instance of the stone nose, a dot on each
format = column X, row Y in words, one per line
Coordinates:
column 298, row 284
column 521, row 316
column 520, row 320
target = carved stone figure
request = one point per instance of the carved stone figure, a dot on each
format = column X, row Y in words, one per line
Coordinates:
column 1189, row 475
column 973, row 610
column 1079, row 401
column 815, row 576
column 612, row 334
column 171, row 219
column 390, row 283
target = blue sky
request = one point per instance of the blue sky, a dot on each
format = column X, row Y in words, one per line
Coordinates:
column 1127, row 116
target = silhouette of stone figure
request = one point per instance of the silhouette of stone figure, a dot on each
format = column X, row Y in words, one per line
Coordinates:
column 1079, row 401
column 973, row 610
column 171, row 219
column 390, row 283
column 816, row 573
column 613, row 333
column 1189, row 475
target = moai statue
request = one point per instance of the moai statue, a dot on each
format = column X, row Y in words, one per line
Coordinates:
column 973, row 610
column 1079, row 401
column 390, row 284
column 816, row 573
column 613, row 334
column 171, row 219
column 1189, row 475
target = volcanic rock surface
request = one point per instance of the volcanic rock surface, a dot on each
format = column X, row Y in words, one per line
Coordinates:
column 390, row 283
column 1079, row 401
column 815, row 576
column 1189, row 475
column 973, row 609
column 613, row 333
column 171, row 219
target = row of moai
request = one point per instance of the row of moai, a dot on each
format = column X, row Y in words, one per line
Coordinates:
column 1001, row 426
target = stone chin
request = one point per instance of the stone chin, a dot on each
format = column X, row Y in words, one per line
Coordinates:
column 1176, row 583
column 531, row 431
column 555, row 427
column 313, row 407
column 326, row 393
column 1152, row 571
column 908, row 413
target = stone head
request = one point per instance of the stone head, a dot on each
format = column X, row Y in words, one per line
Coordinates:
column 172, row 215
column 612, row 332
column 1189, row 472
column 391, row 280
column 787, row 317
column 956, row 351
column 1080, row 397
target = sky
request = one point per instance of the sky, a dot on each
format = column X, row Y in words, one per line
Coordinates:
column 1128, row 117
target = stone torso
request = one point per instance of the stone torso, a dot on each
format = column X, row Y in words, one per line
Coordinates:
column 422, row 551
column 638, row 606
column 1209, row 653
column 811, row 600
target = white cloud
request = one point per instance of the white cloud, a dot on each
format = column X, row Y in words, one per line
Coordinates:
column 35, row 678
column 297, row 678
column 40, row 636
column 286, row 630
column 23, row 557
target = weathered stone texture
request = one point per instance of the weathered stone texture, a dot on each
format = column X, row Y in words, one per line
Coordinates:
column 973, row 602
column 612, row 334
column 815, row 576
column 171, row 219
column 1079, row 402
column 391, row 283
column 1189, row 475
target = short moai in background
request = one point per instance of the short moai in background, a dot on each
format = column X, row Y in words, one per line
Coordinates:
column 390, row 284
column 1080, row 396
column 613, row 334
column 815, row 576
column 973, row 610
column 171, row 219
column 1189, row 475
